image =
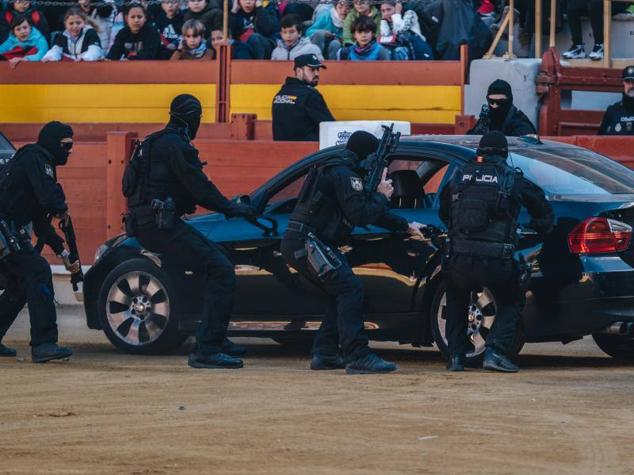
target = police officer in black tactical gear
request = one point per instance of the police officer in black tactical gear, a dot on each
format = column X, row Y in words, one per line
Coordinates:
column 299, row 108
column 500, row 114
column 164, row 181
column 480, row 206
column 619, row 118
column 30, row 194
column 331, row 203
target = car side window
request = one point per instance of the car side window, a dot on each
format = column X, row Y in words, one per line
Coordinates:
column 284, row 200
column 415, row 182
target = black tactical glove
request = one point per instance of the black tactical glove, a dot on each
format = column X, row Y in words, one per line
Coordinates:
column 244, row 211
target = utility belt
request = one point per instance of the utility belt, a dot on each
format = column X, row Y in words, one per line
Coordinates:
column 483, row 248
column 320, row 257
column 13, row 238
column 162, row 213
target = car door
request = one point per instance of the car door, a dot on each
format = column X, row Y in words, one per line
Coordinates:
column 391, row 264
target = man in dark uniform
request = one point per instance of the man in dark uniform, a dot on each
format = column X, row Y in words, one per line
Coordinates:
column 480, row 207
column 170, row 183
column 298, row 108
column 330, row 204
column 500, row 114
column 29, row 193
column 619, row 118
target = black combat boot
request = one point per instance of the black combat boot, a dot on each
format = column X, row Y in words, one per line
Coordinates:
column 322, row 362
column 231, row 349
column 495, row 361
column 455, row 363
column 370, row 363
column 5, row 351
column 49, row 352
column 215, row 361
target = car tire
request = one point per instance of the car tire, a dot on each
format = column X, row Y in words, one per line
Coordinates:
column 138, row 308
column 481, row 314
column 617, row 346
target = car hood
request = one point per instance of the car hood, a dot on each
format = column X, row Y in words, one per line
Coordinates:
column 626, row 200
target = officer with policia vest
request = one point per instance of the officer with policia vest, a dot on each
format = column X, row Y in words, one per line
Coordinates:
column 619, row 118
column 331, row 203
column 30, row 194
column 164, row 181
column 480, row 206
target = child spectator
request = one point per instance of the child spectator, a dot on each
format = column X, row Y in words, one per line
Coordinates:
column 193, row 44
column 138, row 39
column 79, row 42
column 327, row 30
column 102, row 17
column 361, row 8
column 365, row 47
column 256, row 26
column 25, row 42
column 401, row 34
column 169, row 22
column 238, row 49
column 207, row 12
column 23, row 8
column 293, row 44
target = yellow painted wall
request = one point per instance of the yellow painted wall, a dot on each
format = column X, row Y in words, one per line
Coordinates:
column 427, row 104
column 105, row 103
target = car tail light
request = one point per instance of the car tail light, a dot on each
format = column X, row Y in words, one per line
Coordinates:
column 599, row 236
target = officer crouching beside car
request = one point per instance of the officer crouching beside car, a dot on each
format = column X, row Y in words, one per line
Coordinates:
column 163, row 181
column 480, row 206
column 29, row 193
column 331, row 203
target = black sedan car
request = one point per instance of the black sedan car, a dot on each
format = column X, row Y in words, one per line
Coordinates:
column 582, row 273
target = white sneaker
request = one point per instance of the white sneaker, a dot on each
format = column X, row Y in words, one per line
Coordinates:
column 575, row 52
column 597, row 53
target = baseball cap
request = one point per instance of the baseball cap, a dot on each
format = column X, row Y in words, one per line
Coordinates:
column 628, row 73
column 310, row 60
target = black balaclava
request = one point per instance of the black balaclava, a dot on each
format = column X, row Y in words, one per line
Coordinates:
column 50, row 138
column 499, row 86
column 493, row 146
column 362, row 144
column 185, row 111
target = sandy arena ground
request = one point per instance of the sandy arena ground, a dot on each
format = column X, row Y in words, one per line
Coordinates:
column 569, row 411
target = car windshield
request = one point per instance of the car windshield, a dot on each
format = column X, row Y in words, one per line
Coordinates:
column 566, row 171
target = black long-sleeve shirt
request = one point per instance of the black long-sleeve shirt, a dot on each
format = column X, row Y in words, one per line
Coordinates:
column 142, row 45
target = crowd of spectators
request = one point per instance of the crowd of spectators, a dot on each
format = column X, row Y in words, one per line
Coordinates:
column 357, row 30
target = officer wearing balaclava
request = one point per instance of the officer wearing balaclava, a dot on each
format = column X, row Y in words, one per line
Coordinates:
column 500, row 114
column 480, row 206
column 168, row 184
column 619, row 118
column 29, row 193
column 331, row 203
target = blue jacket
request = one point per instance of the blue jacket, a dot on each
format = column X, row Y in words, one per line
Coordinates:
column 324, row 22
column 33, row 49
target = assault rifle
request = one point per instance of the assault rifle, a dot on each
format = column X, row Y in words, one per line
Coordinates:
column 377, row 162
column 66, row 226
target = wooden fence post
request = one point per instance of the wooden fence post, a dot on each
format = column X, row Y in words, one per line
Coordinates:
column 119, row 146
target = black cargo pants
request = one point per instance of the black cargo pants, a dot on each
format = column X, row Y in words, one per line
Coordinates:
column 465, row 274
column 29, row 281
column 208, row 262
column 343, row 322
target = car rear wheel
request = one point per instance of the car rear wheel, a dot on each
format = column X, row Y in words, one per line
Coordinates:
column 137, row 306
column 482, row 313
column 617, row 346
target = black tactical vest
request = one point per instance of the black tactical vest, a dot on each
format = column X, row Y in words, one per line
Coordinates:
column 483, row 204
column 137, row 185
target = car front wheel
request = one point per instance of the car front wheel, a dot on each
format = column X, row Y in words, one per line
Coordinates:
column 137, row 307
column 480, row 319
column 617, row 346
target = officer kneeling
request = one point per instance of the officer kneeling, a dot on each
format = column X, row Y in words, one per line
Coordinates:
column 332, row 201
column 480, row 207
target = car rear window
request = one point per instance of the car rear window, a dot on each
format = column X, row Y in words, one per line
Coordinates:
column 6, row 150
column 564, row 171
